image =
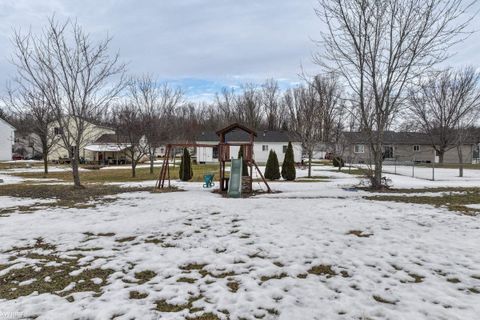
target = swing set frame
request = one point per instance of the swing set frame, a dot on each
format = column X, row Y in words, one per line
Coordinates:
column 223, row 157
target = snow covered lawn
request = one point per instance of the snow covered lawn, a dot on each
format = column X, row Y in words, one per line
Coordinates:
column 314, row 251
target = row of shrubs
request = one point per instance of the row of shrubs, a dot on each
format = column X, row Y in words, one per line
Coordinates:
column 272, row 169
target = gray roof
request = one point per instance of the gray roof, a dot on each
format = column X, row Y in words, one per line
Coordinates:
column 241, row 136
column 110, row 138
column 396, row 138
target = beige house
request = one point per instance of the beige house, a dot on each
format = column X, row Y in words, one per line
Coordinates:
column 402, row 147
column 91, row 134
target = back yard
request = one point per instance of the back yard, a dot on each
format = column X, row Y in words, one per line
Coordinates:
column 320, row 249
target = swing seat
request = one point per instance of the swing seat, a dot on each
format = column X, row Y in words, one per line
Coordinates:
column 208, row 179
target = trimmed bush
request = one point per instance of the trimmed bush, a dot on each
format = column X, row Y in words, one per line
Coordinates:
column 244, row 163
column 288, row 165
column 338, row 162
column 272, row 169
column 186, row 170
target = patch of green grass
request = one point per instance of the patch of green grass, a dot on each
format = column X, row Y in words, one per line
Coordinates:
column 233, row 286
column 126, row 239
column 322, row 269
column 19, row 165
column 193, row 266
column 455, row 200
column 453, row 280
column 164, row 306
column 67, row 196
column 383, row 300
column 187, row 280
column 51, row 273
column 275, row 276
column 359, row 233
column 416, row 278
column 137, row 295
column 205, row 316
column 120, row 175
column 144, row 276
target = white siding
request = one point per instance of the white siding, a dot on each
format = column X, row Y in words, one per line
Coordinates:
column 7, row 138
column 205, row 154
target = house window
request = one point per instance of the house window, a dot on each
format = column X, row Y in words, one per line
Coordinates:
column 359, row 148
column 285, row 149
column 215, row 153
column 58, row 131
column 416, row 148
column 265, row 147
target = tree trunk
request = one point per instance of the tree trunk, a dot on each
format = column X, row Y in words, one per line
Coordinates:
column 460, row 160
column 310, row 156
column 134, row 165
column 75, row 164
column 377, row 172
column 152, row 157
column 45, row 158
column 441, row 154
column 45, row 164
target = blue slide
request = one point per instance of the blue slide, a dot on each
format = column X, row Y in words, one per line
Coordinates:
column 235, row 182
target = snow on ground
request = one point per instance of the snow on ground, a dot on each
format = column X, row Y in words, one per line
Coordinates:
column 9, row 202
column 8, row 179
column 441, row 174
column 288, row 255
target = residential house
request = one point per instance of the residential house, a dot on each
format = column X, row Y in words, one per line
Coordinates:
column 264, row 142
column 402, row 147
column 91, row 134
column 28, row 145
column 108, row 149
column 7, row 138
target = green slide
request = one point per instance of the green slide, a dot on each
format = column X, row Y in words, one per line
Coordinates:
column 235, row 183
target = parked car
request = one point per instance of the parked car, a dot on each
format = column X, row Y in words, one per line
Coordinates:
column 329, row 156
column 17, row 156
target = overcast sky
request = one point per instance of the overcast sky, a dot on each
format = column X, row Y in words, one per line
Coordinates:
column 201, row 45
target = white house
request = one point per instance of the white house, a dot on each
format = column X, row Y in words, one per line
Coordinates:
column 7, row 138
column 92, row 132
column 264, row 142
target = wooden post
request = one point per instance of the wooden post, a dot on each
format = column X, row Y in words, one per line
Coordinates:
column 263, row 178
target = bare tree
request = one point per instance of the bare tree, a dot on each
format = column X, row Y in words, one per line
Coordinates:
column 130, row 132
column 156, row 104
column 248, row 106
column 225, row 106
column 272, row 105
column 74, row 75
column 314, row 111
column 305, row 119
column 36, row 115
column 445, row 106
column 379, row 47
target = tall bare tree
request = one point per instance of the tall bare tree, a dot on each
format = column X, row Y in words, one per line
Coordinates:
column 313, row 110
column 76, row 76
column 446, row 105
column 272, row 105
column 130, row 131
column 156, row 104
column 248, row 106
column 379, row 47
column 36, row 115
